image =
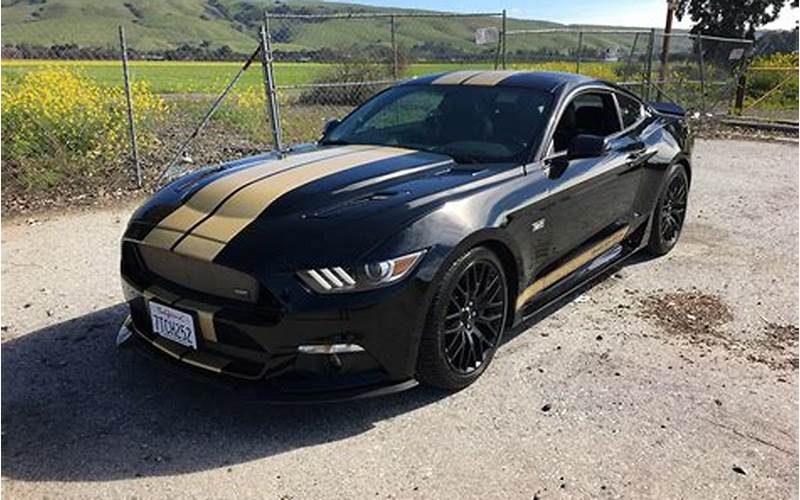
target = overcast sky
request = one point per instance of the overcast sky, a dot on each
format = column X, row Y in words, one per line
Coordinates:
column 640, row 13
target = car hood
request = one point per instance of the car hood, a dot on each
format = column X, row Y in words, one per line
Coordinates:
column 318, row 207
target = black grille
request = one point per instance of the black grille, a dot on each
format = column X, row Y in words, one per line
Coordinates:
column 200, row 276
column 136, row 270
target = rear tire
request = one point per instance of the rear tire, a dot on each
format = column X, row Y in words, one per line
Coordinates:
column 670, row 212
column 465, row 322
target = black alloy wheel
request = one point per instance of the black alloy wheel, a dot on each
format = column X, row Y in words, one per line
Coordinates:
column 670, row 212
column 466, row 321
column 475, row 316
column 673, row 210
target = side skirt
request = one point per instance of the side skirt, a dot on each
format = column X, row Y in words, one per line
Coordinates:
column 579, row 279
column 613, row 256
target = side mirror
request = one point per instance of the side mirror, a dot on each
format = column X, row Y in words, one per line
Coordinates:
column 329, row 126
column 586, row 146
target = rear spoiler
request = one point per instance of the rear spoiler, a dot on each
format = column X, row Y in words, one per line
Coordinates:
column 668, row 108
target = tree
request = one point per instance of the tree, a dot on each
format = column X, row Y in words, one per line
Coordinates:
column 730, row 18
column 783, row 41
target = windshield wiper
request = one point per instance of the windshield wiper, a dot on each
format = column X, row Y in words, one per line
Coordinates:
column 460, row 157
column 463, row 158
column 334, row 142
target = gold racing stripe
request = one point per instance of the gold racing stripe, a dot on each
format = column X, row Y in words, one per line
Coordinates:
column 489, row 78
column 204, row 201
column 156, row 292
column 454, row 78
column 210, row 237
column 571, row 265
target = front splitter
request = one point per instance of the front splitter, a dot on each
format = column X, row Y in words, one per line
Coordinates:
column 267, row 391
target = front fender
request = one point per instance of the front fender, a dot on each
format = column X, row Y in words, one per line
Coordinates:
column 449, row 232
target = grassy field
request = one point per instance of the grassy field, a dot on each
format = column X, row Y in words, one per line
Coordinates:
column 171, row 77
column 158, row 25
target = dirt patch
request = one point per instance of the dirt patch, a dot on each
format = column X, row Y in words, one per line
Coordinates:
column 777, row 348
column 693, row 315
column 781, row 336
column 697, row 317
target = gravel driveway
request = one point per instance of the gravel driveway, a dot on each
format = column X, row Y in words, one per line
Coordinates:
column 671, row 378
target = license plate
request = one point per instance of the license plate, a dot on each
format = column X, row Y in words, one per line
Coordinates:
column 173, row 325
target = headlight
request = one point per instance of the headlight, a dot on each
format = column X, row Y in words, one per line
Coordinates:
column 358, row 278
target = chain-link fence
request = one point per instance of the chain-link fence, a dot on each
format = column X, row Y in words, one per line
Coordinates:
column 768, row 89
column 620, row 56
column 325, row 65
column 697, row 72
column 83, row 125
column 75, row 129
column 64, row 132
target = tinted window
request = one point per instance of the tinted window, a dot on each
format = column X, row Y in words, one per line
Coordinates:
column 405, row 110
column 470, row 123
column 630, row 109
column 591, row 113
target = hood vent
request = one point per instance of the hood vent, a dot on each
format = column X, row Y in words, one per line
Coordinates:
column 358, row 202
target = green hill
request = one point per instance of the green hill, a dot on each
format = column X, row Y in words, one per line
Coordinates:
column 154, row 25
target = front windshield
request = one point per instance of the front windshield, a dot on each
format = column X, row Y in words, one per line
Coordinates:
column 470, row 123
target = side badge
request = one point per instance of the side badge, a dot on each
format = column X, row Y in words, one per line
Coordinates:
column 537, row 225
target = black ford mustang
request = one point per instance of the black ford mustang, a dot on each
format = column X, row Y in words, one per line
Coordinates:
column 403, row 244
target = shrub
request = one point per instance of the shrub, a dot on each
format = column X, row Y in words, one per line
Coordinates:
column 244, row 114
column 759, row 83
column 357, row 73
column 57, row 123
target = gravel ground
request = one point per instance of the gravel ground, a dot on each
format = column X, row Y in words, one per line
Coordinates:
column 671, row 378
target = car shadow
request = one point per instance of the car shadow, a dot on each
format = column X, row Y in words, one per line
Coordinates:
column 77, row 408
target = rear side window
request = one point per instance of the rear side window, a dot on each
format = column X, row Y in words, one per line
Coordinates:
column 630, row 109
column 592, row 113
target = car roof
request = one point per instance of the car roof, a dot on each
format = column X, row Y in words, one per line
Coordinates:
column 547, row 81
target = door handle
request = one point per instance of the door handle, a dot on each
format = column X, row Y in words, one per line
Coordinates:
column 636, row 150
column 635, row 155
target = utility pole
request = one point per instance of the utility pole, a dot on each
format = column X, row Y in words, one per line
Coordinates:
column 662, row 71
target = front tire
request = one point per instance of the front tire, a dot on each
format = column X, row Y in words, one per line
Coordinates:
column 670, row 212
column 465, row 322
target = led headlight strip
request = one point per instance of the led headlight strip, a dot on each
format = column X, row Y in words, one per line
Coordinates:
column 366, row 277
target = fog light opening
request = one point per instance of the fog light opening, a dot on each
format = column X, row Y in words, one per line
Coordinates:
column 329, row 349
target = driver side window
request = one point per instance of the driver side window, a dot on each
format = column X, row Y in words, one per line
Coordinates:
column 592, row 113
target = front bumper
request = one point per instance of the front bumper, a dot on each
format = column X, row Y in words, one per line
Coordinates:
column 289, row 387
column 256, row 348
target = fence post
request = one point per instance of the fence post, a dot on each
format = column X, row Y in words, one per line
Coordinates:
column 580, row 49
column 273, row 113
column 625, row 73
column 649, row 64
column 129, row 99
column 741, row 87
column 394, row 49
column 701, row 62
column 497, row 52
column 504, row 39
